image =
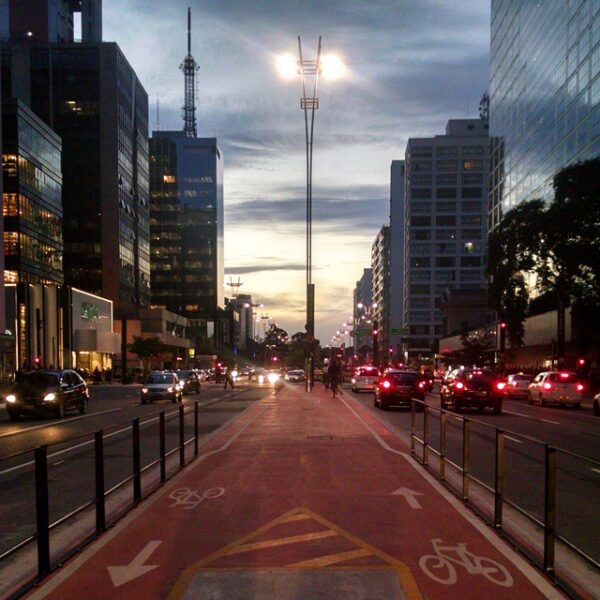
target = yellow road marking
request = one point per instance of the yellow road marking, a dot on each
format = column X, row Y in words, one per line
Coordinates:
column 405, row 576
column 330, row 559
column 293, row 539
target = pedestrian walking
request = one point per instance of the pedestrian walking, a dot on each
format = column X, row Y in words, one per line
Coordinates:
column 229, row 379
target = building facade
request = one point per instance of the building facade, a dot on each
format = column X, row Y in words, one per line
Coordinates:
column 31, row 201
column 380, row 263
column 186, row 187
column 361, row 312
column 445, row 224
column 544, row 96
column 91, row 97
column 396, row 336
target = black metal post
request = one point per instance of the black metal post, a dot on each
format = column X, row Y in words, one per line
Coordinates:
column 137, row 475
column 181, row 437
column 549, row 509
column 196, row 428
column 163, row 467
column 42, row 511
column 466, row 433
column 499, row 479
column 99, row 470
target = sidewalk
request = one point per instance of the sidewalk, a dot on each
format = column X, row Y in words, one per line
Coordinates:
column 301, row 497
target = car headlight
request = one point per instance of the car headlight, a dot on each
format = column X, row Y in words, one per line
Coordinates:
column 353, row 380
column 273, row 377
column 261, row 379
column 234, row 374
column 170, row 389
column 144, row 390
column 49, row 397
column 11, row 398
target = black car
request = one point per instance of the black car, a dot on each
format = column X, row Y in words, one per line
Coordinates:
column 47, row 392
column 396, row 387
column 190, row 381
column 473, row 388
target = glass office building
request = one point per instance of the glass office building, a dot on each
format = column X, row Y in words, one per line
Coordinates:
column 544, row 96
column 31, row 200
column 186, row 226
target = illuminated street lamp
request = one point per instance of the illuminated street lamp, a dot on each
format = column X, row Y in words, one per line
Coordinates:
column 331, row 67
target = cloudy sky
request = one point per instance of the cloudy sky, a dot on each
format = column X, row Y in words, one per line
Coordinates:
column 412, row 65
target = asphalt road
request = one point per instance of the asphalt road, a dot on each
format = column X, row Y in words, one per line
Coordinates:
column 71, row 463
column 578, row 481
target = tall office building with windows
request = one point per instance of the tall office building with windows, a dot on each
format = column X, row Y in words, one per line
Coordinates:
column 186, row 184
column 544, row 96
column 380, row 265
column 445, row 223
column 91, row 97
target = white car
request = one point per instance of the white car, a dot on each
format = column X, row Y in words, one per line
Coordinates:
column 559, row 387
column 295, row 376
column 365, row 379
column 161, row 385
column 517, row 385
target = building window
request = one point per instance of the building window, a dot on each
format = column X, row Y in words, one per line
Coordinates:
column 472, row 150
column 10, row 206
column 470, row 178
column 470, row 276
column 419, row 303
column 444, row 261
column 446, row 179
column 419, row 330
column 471, row 192
column 471, row 207
column 420, row 248
column 471, row 234
column 445, row 234
column 169, row 179
column 470, row 220
column 420, row 276
column 445, row 207
column 420, row 263
column 445, row 193
column 421, row 152
column 419, row 316
column 445, row 248
column 445, row 276
column 420, row 221
column 420, row 166
column 420, row 180
column 420, row 207
column 421, row 193
column 421, row 234
column 473, row 164
column 445, row 221
column 446, row 165
column 446, row 151
column 418, row 290
column 470, row 261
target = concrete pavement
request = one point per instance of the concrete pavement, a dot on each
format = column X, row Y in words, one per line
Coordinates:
column 301, row 496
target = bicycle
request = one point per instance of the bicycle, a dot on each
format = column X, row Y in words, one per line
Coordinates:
column 446, row 574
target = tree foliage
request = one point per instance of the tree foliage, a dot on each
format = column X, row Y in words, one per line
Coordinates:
column 554, row 248
column 146, row 348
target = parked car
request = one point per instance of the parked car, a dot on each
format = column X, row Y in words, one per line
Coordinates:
column 396, row 387
column 295, row 375
column 189, row 381
column 558, row 387
column 517, row 385
column 47, row 392
column 161, row 385
column 365, row 379
column 472, row 388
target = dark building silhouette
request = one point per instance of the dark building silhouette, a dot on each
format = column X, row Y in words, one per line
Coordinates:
column 91, row 97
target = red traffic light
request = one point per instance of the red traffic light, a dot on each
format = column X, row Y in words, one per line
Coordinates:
column 375, row 332
column 581, row 362
column 37, row 360
column 503, row 325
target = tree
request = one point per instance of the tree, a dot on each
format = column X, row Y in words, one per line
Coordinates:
column 513, row 252
column 146, row 348
column 474, row 347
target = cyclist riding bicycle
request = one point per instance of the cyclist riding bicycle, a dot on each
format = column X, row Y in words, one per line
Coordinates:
column 334, row 372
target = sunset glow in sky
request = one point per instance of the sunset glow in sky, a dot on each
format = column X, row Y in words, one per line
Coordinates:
column 412, row 65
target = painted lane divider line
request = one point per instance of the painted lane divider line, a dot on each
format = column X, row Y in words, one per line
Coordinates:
column 125, row 573
column 409, row 495
column 595, row 470
column 553, row 422
column 512, row 439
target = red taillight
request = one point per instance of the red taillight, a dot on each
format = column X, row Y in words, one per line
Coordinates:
column 385, row 384
column 580, row 387
column 547, row 386
column 459, row 385
column 421, row 384
column 500, row 385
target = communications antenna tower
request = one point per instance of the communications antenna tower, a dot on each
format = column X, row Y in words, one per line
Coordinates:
column 189, row 67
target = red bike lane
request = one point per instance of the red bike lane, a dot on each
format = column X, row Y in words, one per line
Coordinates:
column 303, row 496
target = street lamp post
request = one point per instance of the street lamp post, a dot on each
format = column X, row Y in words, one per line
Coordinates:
column 331, row 67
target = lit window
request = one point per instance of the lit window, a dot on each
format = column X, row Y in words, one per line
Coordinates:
column 169, row 179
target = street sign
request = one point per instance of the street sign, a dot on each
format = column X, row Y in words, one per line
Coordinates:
column 363, row 332
column 400, row 331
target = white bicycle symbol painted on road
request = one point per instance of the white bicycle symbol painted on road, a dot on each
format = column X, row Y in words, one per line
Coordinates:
column 190, row 499
column 439, row 566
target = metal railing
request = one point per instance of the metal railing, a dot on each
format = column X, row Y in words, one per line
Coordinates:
column 547, row 561
column 43, row 526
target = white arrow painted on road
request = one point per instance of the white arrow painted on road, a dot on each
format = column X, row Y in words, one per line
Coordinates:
column 409, row 495
column 136, row 567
